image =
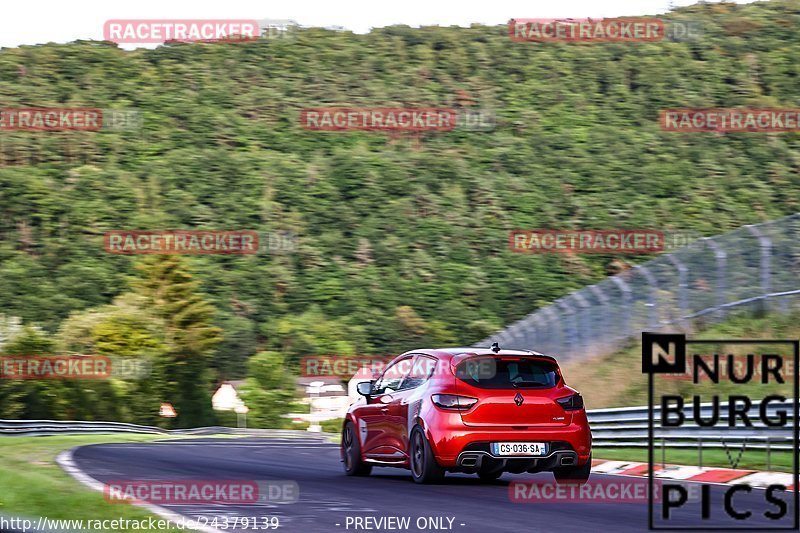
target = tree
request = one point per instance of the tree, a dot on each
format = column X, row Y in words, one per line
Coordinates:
column 269, row 390
column 186, row 317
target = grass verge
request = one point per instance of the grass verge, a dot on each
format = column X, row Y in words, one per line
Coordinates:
column 35, row 486
column 750, row 459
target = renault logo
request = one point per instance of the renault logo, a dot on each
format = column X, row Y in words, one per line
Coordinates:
column 518, row 399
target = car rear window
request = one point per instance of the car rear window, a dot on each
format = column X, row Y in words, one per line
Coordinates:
column 505, row 373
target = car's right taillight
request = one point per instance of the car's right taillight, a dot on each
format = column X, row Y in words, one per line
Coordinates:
column 571, row 403
column 453, row 402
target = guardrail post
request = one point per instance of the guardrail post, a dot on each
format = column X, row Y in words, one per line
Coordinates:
column 722, row 260
column 769, row 461
column 683, row 286
column 700, row 452
column 765, row 266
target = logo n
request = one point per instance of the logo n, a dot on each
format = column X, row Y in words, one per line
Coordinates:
column 663, row 353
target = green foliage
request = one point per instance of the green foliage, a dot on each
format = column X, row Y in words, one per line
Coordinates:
column 171, row 295
column 332, row 426
column 268, row 391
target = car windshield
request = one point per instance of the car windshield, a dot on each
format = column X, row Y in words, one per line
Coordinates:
column 501, row 373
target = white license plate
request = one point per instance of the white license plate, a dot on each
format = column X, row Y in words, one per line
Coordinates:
column 519, row 448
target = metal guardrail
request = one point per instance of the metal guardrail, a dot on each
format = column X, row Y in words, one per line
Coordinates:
column 755, row 267
column 622, row 426
column 627, row 427
column 33, row 428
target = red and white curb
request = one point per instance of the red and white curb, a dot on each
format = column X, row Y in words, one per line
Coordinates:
column 726, row 476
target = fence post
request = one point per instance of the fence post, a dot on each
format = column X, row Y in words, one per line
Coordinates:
column 545, row 337
column 626, row 304
column 683, row 285
column 722, row 260
column 570, row 327
column 765, row 244
column 555, row 326
column 585, row 334
column 529, row 332
column 538, row 341
column 603, row 318
column 652, row 297
column 514, row 335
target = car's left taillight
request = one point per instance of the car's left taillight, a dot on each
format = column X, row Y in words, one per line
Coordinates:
column 453, row 402
column 571, row 403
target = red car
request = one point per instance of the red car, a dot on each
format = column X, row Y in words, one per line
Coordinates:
column 474, row 410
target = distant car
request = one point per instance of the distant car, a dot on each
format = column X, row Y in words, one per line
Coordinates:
column 474, row 410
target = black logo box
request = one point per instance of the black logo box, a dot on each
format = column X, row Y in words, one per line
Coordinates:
column 664, row 341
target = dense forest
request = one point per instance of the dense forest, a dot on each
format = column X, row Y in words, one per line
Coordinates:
column 401, row 240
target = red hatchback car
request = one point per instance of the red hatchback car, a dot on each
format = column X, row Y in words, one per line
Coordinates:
column 474, row 410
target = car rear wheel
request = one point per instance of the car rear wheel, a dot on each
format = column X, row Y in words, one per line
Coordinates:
column 424, row 468
column 351, row 453
column 573, row 474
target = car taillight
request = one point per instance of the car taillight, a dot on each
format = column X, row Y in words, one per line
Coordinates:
column 453, row 401
column 571, row 403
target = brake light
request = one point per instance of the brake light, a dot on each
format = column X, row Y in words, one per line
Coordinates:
column 571, row 403
column 453, row 402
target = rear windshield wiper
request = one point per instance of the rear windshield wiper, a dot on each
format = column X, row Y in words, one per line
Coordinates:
column 522, row 382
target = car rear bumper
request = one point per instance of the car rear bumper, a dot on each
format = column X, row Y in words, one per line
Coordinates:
column 468, row 449
column 474, row 461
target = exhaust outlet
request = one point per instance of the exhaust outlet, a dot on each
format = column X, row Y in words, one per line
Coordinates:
column 567, row 461
column 469, row 460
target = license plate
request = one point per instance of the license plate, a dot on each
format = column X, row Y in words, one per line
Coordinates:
column 519, row 448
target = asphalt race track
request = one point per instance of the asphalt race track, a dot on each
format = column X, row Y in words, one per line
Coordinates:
column 328, row 499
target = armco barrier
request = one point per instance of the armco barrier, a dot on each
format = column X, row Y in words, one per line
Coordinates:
column 75, row 427
column 621, row 426
column 627, row 427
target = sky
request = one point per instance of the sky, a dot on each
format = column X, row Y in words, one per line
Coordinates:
column 33, row 22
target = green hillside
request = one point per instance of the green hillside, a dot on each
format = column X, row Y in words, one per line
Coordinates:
column 402, row 240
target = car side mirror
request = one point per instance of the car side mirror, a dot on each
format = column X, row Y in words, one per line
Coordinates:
column 365, row 388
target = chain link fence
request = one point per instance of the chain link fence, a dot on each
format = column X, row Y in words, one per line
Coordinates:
column 756, row 267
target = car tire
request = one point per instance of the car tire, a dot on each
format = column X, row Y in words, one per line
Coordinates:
column 351, row 452
column 573, row 474
column 424, row 468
